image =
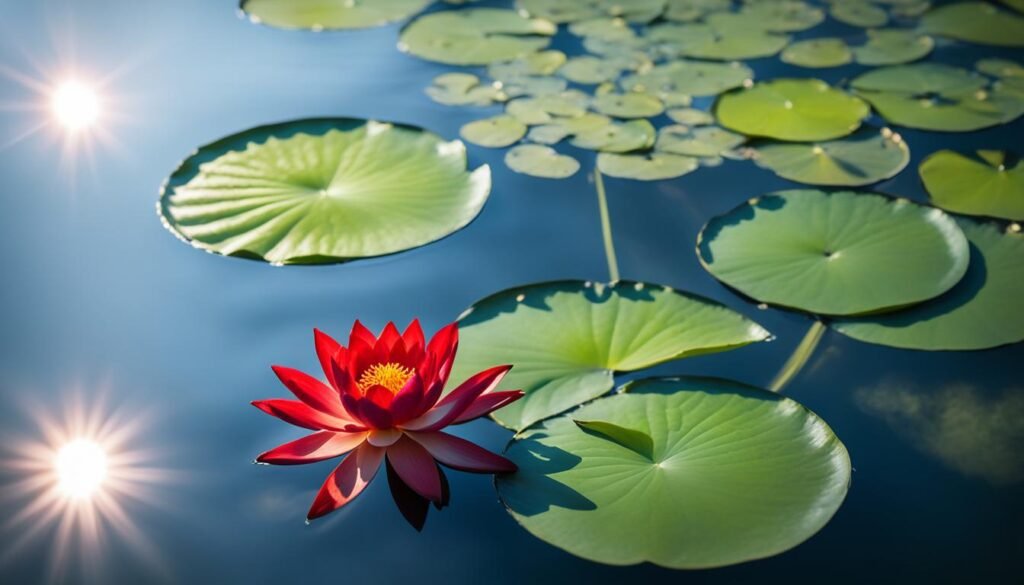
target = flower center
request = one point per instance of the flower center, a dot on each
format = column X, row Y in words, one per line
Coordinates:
column 390, row 375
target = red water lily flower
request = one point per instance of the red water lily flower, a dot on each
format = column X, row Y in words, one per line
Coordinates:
column 383, row 403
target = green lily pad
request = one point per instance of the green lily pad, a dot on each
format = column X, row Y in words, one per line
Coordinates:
column 590, row 70
column 628, row 105
column 841, row 253
column 323, row 190
column 729, row 37
column 541, row 63
column 330, row 14
column 496, row 132
column 1017, row 5
column 563, row 11
column 561, row 128
column 893, row 47
column 655, row 166
column 566, row 339
column 981, row 312
column 818, row 53
column 478, row 36
column 975, row 22
column 689, row 78
column 867, row 157
column 541, row 161
column 791, row 109
column 690, row 116
column 707, row 141
column 691, row 10
column 990, row 185
column 782, row 15
column 617, row 137
column 1003, row 68
column 543, row 109
column 932, row 96
column 859, row 13
column 735, row 474
column 463, row 89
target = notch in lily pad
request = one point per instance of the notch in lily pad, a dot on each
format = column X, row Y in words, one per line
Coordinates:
column 636, row 441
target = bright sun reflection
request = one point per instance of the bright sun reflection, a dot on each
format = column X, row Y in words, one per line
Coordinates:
column 75, row 105
column 75, row 485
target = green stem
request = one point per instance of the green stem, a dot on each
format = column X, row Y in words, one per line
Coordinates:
column 801, row 355
column 606, row 227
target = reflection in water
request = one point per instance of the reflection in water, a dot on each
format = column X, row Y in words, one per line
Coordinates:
column 75, row 483
column 972, row 433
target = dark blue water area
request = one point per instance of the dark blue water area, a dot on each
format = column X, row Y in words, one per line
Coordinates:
column 97, row 297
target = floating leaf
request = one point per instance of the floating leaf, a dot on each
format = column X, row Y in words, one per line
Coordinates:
column 690, row 10
column 980, row 312
column 858, row 13
column 323, row 190
column 818, row 53
column 541, row 63
column 496, row 132
column 628, row 105
column 992, row 184
column 841, row 253
column 655, row 166
column 791, row 109
column 562, row 11
column 463, row 89
column 710, row 141
column 975, row 22
column 737, row 474
column 330, row 14
column 541, row 161
column 617, row 137
column 893, row 47
column 477, row 36
column 932, row 96
column 636, row 441
column 1000, row 68
column 590, row 70
column 690, row 116
column 782, row 15
column 566, row 339
column 587, row 124
column 542, row 109
column 689, row 78
column 867, row 157
column 727, row 37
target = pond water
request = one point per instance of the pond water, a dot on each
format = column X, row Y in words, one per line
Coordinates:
column 97, row 297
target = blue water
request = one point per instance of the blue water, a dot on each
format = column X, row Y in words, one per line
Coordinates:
column 96, row 295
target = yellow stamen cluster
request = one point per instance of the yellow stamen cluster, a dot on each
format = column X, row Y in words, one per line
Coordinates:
column 390, row 375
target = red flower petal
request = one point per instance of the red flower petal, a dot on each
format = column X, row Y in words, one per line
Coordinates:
column 416, row 467
column 302, row 415
column 311, row 391
column 443, row 346
column 373, row 415
column 360, row 332
column 414, row 340
column 461, row 454
column 453, row 405
column 488, row 403
column 406, row 404
column 326, row 348
column 312, row 448
column 347, row 480
column 389, row 338
column 413, row 507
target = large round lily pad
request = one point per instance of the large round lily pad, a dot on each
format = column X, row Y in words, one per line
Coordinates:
column 842, row 253
column 477, row 36
column 685, row 473
column 323, row 190
column 991, row 184
column 566, row 339
column 866, row 157
column 791, row 109
column 976, row 22
column 330, row 14
column 980, row 312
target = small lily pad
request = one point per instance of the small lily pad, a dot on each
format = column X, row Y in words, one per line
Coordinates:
column 330, row 14
column 541, row 63
column 783, row 15
column 463, row 89
column 563, row 11
column 541, row 161
column 975, row 22
column 496, row 132
column 689, row 78
column 990, row 185
column 323, row 190
column 617, row 137
column 566, row 339
column 628, row 105
column 542, row 109
column 791, row 109
column 1002, row 68
column 691, row 10
column 561, row 128
column 841, row 253
column 707, row 141
column 818, row 53
column 893, row 47
column 735, row 474
column 981, row 312
column 728, row 37
column 690, row 116
column 655, row 166
column 477, row 36
column 590, row 70
column 867, row 157
column 858, row 13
